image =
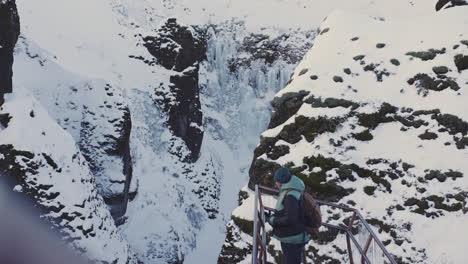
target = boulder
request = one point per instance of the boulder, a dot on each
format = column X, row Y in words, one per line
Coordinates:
column 10, row 29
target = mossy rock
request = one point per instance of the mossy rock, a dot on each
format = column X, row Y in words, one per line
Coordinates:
column 435, row 174
column 261, row 172
column 453, row 123
column 461, row 61
column 308, row 127
column 440, row 69
column 369, row 190
column 426, row 55
column 331, row 103
column 426, row 112
column 462, row 143
column 286, row 106
column 363, row 136
column 442, row 176
column 337, row 79
column 374, row 119
column 383, row 227
column 395, row 62
column 325, row 164
column 428, row 135
column 423, row 80
column 277, row 152
column 411, row 122
column 244, row 225
column 265, row 146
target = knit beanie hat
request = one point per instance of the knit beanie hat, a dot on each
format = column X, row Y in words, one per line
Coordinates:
column 282, row 175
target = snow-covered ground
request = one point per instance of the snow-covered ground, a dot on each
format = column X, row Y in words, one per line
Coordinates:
column 358, row 76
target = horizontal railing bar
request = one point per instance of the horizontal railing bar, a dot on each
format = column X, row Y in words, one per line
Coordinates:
column 334, row 227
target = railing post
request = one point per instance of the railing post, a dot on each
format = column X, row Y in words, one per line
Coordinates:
column 348, row 241
column 262, row 210
column 366, row 247
column 255, row 231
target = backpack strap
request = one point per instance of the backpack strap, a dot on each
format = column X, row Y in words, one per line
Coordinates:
column 292, row 189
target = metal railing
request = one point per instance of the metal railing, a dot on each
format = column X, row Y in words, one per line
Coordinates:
column 359, row 235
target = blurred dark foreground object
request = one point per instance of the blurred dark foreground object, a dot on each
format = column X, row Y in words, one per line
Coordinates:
column 25, row 240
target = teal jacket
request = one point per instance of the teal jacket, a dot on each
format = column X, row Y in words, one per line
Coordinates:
column 283, row 223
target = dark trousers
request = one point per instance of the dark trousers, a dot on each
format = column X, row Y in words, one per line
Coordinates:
column 292, row 253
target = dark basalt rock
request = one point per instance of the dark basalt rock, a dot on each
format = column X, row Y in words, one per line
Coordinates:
column 461, row 61
column 175, row 46
column 378, row 73
column 422, row 80
column 180, row 48
column 380, row 45
column 426, row 55
column 261, row 172
column 263, row 47
column 325, row 30
column 440, row 69
column 374, row 119
column 231, row 253
column 363, row 136
column 337, row 79
column 395, row 62
column 428, row 136
column 330, row 103
column 10, row 29
column 358, row 57
column 449, row 3
column 303, row 71
column 188, row 111
column 453, row 123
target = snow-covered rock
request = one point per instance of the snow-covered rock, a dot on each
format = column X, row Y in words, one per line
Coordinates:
column 180, row 48
column 41, row 161
column 380, row 108
column 93, row 111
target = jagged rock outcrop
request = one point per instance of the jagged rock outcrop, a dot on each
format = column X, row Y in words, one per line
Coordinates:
column 9, row 32
column 40, row 162
column 95, row 112
column 180, row 48
column 449, row 3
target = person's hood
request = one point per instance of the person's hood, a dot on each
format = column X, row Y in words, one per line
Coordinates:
column 294, row 183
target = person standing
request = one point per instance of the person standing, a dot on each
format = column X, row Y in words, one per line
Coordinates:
column 288, row 220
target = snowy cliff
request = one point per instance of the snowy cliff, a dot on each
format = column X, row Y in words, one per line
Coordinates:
column 375, row 117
